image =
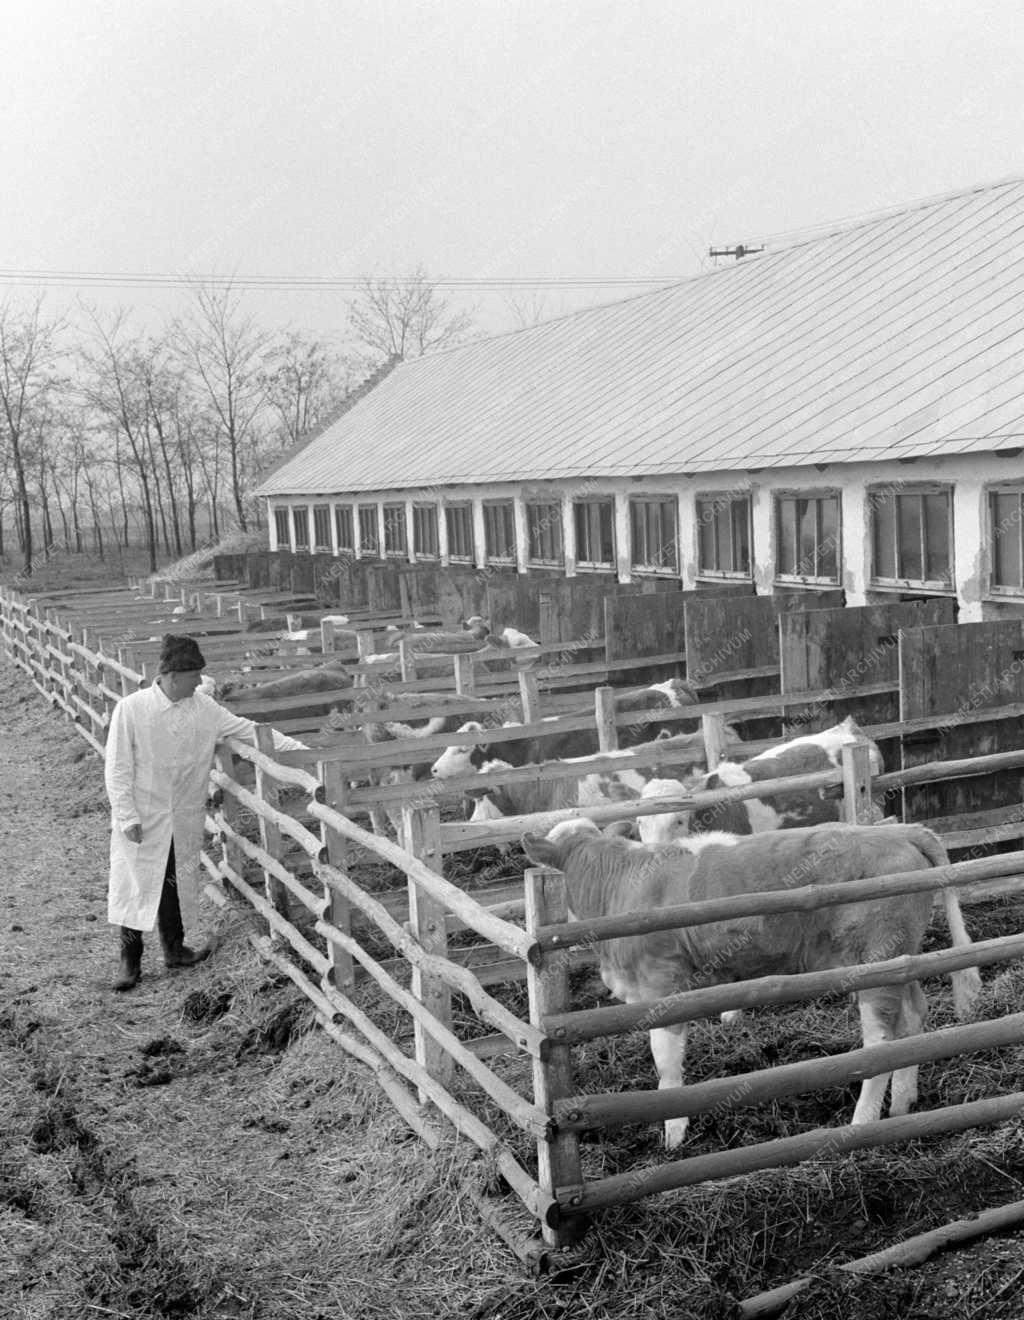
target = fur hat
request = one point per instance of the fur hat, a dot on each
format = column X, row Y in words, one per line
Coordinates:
column 178, row 654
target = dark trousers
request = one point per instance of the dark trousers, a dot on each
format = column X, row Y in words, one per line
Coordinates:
column 168, row 917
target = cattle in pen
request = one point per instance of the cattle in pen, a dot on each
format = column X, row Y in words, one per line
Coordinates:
column 607, row 876
column 329, row 676
column 682, row 753
column 787, row 809
column 560, row 745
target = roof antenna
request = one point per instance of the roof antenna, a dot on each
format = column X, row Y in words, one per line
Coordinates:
column 739, row 251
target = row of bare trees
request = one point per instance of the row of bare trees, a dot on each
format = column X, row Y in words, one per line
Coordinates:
column 111, row 435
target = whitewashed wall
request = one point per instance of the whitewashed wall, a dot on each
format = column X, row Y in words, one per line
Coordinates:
column 970, row 477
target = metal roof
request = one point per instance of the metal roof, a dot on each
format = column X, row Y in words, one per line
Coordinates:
column 898, row 337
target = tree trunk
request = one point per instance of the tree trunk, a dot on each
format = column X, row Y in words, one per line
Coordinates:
column 175, row 521
column 23, row 506
column 236, row 485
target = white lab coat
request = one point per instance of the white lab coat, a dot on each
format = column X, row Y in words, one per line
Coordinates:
column 157, row 770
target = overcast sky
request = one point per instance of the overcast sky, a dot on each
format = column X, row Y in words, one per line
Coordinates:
column 480, row 138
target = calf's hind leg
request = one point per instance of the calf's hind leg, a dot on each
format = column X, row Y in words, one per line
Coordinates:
column 913, row 1010
column 880, row 1011
column 668, row 1046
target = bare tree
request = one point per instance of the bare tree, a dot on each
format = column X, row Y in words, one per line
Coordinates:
column 115, row 371
column 533, row 310
column 406, row 317
column 304, row 380
column 28, row 356
column 225, row 348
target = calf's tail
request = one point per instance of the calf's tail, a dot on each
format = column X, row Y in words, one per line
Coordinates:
column 967, row 982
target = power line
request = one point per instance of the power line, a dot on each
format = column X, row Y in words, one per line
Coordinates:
column 149, row 279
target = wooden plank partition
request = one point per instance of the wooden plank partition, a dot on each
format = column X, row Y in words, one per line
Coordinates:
column 947, row 672
column 274, row 856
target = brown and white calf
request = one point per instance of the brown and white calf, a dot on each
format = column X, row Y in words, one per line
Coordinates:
column 608, row 876
column 682, row 752
column 787, row 810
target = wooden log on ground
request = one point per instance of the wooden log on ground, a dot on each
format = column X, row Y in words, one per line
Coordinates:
column 911, row 1251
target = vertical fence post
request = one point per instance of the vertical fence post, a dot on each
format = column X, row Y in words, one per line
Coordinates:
column 857, row 804
column 465, row 675
column 5, row 623
column 407, row 659
column 327, row 637
column 713, row 729
column 126, row 657
column 366, row 642
column 55, row 679
column 421, row 829
column 231, row 810
column 366, row 645
column 337, row 909
column 529, row 695
column 547, row 983
column 604, row 713
column 270, row 835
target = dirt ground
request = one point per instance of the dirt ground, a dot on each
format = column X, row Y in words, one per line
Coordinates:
column 192, row 1149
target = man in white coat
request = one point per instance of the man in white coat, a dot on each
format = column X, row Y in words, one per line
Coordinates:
column 159, row 753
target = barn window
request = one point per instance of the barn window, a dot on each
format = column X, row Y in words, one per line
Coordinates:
column 807, row 538
column 343, row 527
column 300, row 517
column 369, row 536
column 321, row 526
column 458, row 520
column 282, row 529
column 595, row 533
column 912, row 536
column 396, row 541
column 544, row 533
column 654, row 538
column 500, row 531
column 1006, row 522
column 424, row 530
column 723, row 535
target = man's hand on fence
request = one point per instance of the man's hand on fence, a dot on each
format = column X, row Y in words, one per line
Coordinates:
column 133, row 833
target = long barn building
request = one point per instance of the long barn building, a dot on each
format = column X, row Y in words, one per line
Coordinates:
column 847, row 412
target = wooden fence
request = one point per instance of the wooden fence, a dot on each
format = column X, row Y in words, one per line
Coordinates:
column 299, row 872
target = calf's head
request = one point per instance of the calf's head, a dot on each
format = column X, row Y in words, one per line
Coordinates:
column 455, row 761
column 553, row 849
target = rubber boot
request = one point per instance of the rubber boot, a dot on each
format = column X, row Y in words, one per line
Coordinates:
column 172, row 933
column 130, row 970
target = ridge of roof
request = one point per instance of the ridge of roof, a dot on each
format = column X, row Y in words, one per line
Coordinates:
column 833, row 228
